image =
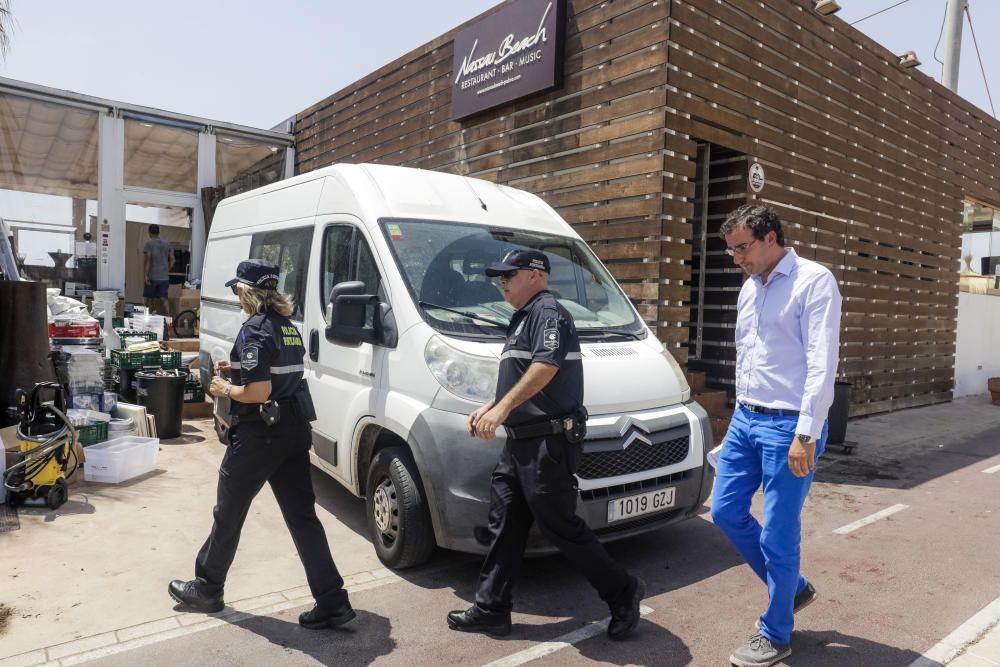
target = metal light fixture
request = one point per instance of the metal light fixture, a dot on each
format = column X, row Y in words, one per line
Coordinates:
column 826, row 7
column 908, row 60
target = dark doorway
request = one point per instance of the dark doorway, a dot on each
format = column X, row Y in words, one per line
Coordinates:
column 720, row 187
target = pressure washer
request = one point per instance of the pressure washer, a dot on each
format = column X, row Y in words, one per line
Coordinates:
column 45, row 436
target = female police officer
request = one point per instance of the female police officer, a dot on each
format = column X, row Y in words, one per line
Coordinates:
column 269, row 442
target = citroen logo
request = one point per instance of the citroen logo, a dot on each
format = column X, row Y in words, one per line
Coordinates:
column 635, row 436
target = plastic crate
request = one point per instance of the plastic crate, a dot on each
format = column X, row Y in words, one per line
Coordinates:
column 134, row 360
column 86, row 264
column 121, row 459
column 131, row 336
column 74, row 330
column 194, row 394
column 91, row 434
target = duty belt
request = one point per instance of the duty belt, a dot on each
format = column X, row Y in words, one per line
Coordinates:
column 250, row 417
column 548, row 427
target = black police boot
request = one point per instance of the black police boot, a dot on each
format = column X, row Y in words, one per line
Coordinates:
column 190, row 595
column 625, row 612
column 475, row 619
column 319, row 617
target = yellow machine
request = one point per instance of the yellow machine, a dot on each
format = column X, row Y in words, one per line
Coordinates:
column 46, row 447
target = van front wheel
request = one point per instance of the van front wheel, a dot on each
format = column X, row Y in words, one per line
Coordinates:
column 396, row 508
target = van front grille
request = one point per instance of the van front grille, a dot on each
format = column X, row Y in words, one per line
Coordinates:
column 636, row 457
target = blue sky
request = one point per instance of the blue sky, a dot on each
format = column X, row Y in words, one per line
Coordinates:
column 256, row 63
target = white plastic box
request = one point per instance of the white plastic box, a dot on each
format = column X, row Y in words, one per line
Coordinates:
column 115, row 461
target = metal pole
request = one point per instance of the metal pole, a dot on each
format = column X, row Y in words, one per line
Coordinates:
column 953, row 24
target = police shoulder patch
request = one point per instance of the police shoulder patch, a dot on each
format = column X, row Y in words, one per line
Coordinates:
column 550, row 334
column 249, row 357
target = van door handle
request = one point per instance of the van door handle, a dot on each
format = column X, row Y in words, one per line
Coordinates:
column 314, row 345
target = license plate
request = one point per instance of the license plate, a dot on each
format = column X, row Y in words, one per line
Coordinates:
column 643, row 503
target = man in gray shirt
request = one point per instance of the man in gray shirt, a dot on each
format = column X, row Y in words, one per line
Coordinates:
column 158, row 258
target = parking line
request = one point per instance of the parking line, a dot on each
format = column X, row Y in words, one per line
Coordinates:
column 964, row 635
column 561, row 642
column 990, row 471
column 871, row 518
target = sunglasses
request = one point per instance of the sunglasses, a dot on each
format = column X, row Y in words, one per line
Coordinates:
column 509, row 275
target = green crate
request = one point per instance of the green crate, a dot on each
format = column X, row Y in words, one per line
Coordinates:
column 91, row 434
column 194, row 394
column 147, row 336
column 133, row 360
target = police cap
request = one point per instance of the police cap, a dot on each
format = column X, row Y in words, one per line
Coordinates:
column 258, row 273
column 522, row 258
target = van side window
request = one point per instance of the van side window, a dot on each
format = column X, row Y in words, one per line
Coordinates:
column 346, row 256
column 289, row 250
column 336, row 259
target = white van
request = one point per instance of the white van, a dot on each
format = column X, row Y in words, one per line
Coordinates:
column 404, row 333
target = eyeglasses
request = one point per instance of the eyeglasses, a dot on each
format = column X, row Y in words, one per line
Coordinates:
column 509, row 275
column 740, row 249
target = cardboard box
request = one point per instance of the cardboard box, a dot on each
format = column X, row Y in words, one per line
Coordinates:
column 183, row 344
column 11, row 446
column 183, row 299
column 200, row 410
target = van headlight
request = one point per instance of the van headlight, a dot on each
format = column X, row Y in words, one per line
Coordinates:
column 678, row 373
column 471, row 377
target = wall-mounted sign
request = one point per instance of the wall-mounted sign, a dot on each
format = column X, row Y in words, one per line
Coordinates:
column 756, row 177
column 513, row 53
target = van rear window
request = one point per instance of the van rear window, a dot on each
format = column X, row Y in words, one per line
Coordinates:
column 289, row 250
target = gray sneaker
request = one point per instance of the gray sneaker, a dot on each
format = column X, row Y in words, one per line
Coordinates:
column 759, row 652
column 803, row 599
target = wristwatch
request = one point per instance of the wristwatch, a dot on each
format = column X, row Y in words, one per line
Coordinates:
column 804, row 439
column 229, row 389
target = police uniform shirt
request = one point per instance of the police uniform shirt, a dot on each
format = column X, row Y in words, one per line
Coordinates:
column 268, row 347
column 542, row 331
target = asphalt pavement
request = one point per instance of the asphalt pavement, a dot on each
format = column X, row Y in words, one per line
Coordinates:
column 900, row 539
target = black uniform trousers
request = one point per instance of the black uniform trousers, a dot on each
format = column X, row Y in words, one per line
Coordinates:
column 534, row 482
column 278, row 455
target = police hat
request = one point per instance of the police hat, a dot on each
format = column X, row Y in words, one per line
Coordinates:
column 258, row 273
column 522, row 258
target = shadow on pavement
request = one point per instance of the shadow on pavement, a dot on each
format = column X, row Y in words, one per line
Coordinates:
column 652, row 645
column 359, row 642
column 905, row 466
column 819, row 648
column 667, row 559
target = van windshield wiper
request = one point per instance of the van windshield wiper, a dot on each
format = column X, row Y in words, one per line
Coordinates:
column 604, row 333
column 473, row 316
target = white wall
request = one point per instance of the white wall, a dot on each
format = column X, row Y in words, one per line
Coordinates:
column 977, row 354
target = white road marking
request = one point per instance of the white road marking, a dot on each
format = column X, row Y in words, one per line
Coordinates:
column 561, row 642
column 871, row 518
column 948, row 648
column 990, row 471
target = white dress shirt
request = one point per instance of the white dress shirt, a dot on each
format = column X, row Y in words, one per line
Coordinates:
column 788, row 340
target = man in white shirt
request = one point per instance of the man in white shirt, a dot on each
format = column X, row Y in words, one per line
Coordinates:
column 787, row 345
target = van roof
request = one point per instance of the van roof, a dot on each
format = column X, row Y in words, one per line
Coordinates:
column 374, row 191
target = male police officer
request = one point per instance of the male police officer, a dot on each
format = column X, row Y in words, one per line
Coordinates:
column 539, row 400
column 269, row 442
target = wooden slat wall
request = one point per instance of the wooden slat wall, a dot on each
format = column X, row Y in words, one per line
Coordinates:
column 868, row 163
column 597, row 149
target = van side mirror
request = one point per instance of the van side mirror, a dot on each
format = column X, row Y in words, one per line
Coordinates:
column 346, row 313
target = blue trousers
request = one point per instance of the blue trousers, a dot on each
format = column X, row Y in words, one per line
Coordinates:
column 756, row 452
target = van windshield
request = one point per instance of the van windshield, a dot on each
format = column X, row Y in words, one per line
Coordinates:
column 444, row 266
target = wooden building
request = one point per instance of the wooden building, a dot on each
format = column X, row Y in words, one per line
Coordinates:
column 646, row 144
